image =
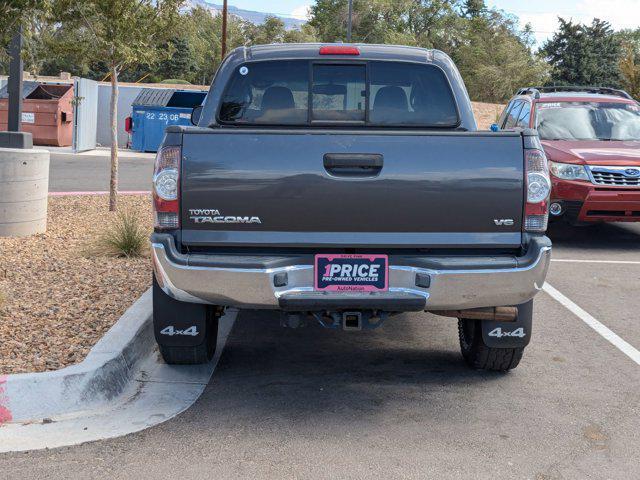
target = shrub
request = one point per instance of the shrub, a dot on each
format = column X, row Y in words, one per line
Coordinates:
column 125, row 237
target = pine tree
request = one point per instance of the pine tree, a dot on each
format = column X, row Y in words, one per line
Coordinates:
column 584, row 54
column 474, row 8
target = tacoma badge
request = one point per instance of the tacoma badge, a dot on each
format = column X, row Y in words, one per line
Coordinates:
column 210, row 215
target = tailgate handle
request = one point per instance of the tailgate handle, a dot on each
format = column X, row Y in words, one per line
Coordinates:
column 353, row 163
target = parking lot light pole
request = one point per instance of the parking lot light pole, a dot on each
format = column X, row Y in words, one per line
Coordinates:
column 14, row 138
column 349, row 21
column 15, row 82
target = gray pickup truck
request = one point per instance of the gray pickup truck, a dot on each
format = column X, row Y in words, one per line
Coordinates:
column 345, row 184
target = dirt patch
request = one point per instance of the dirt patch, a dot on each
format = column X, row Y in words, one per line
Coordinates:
column 486, row 113
column 596, row 437
column 57, row 303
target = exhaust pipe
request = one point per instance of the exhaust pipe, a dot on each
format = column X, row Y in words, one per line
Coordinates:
column 493, row 314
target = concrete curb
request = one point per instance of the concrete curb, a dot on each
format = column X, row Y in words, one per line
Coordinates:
column 99, row 192
column 121, row 387
column 97, row 380
column 99, row 152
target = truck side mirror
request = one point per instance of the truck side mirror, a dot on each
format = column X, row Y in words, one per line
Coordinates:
column 196, row 113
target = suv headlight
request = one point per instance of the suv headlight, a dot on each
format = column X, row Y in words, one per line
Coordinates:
column 568, row 171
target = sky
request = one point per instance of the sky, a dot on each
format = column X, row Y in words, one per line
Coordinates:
column 541, row 14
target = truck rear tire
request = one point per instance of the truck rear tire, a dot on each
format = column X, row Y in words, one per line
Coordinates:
column 186, row 333
column 482, row 357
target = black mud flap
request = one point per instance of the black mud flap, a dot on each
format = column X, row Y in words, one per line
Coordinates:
column 510, row 334
column 178, row 324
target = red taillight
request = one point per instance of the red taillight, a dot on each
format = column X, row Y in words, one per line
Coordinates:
column 128, row 124
column 166, row 188
column 339, row 50
column 538, row 184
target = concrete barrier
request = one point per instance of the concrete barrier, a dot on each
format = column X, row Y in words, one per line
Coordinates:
column 24, row 185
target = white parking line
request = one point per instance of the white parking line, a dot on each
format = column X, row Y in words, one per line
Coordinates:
column 620, row 262
column 610, row 336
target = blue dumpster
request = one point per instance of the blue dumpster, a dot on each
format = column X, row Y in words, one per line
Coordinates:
column 154, row 109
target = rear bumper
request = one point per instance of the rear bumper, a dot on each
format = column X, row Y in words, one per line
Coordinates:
column 448, row 282
column 586, row 202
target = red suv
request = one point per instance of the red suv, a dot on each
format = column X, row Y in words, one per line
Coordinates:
column 591, row 136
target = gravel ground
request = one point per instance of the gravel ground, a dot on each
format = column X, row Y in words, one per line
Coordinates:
column 57, row 303
column 486, row 113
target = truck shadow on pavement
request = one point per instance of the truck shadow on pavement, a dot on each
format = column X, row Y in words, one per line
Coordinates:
column 603, row 236
column 269, row 370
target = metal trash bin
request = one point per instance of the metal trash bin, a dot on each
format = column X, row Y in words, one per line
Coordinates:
column 47, row 112
column 154, row 109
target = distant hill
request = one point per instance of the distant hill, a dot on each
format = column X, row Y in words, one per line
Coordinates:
column 248, row 15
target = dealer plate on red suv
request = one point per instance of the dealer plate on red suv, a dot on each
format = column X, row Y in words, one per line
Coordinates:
column 351, row 273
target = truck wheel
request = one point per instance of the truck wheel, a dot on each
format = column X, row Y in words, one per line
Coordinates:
column 186, row 333
column 482, row 357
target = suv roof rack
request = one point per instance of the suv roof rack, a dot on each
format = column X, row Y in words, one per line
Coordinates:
column 535, row 91
column 574, row 88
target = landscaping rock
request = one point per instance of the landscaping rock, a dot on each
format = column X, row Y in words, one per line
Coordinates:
column 57, row 303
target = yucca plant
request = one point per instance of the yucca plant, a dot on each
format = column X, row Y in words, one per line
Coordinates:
column 125, row 237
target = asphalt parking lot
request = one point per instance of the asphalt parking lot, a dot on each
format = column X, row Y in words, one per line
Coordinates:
column 74, row 173
column 398, row 402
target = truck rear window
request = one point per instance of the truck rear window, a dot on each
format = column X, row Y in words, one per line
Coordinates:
column 393, row 94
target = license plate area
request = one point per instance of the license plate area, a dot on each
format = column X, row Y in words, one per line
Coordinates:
column 351, row 273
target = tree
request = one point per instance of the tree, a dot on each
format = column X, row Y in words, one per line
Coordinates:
column 271, row 31
column 181, row 64
column 122, row 33
column 474, row 8
column 630, row 61
column 17, row 13
column 203, row 32
column 630, row 71
column 494, row 58
column 493, row 53
column 305, row 34
column 426, row 23
column 329, row 18
column 584, row 54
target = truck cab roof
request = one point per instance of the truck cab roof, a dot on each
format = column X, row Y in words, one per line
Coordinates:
column 276, row 51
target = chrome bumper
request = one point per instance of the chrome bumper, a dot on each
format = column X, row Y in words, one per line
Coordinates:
column 254, row 287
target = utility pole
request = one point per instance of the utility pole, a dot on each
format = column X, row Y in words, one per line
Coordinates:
column 14, row 86
column 224, row 30
column 349, row 21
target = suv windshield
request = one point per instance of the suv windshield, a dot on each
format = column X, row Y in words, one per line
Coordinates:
column 588, row 121
column 305, row 93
